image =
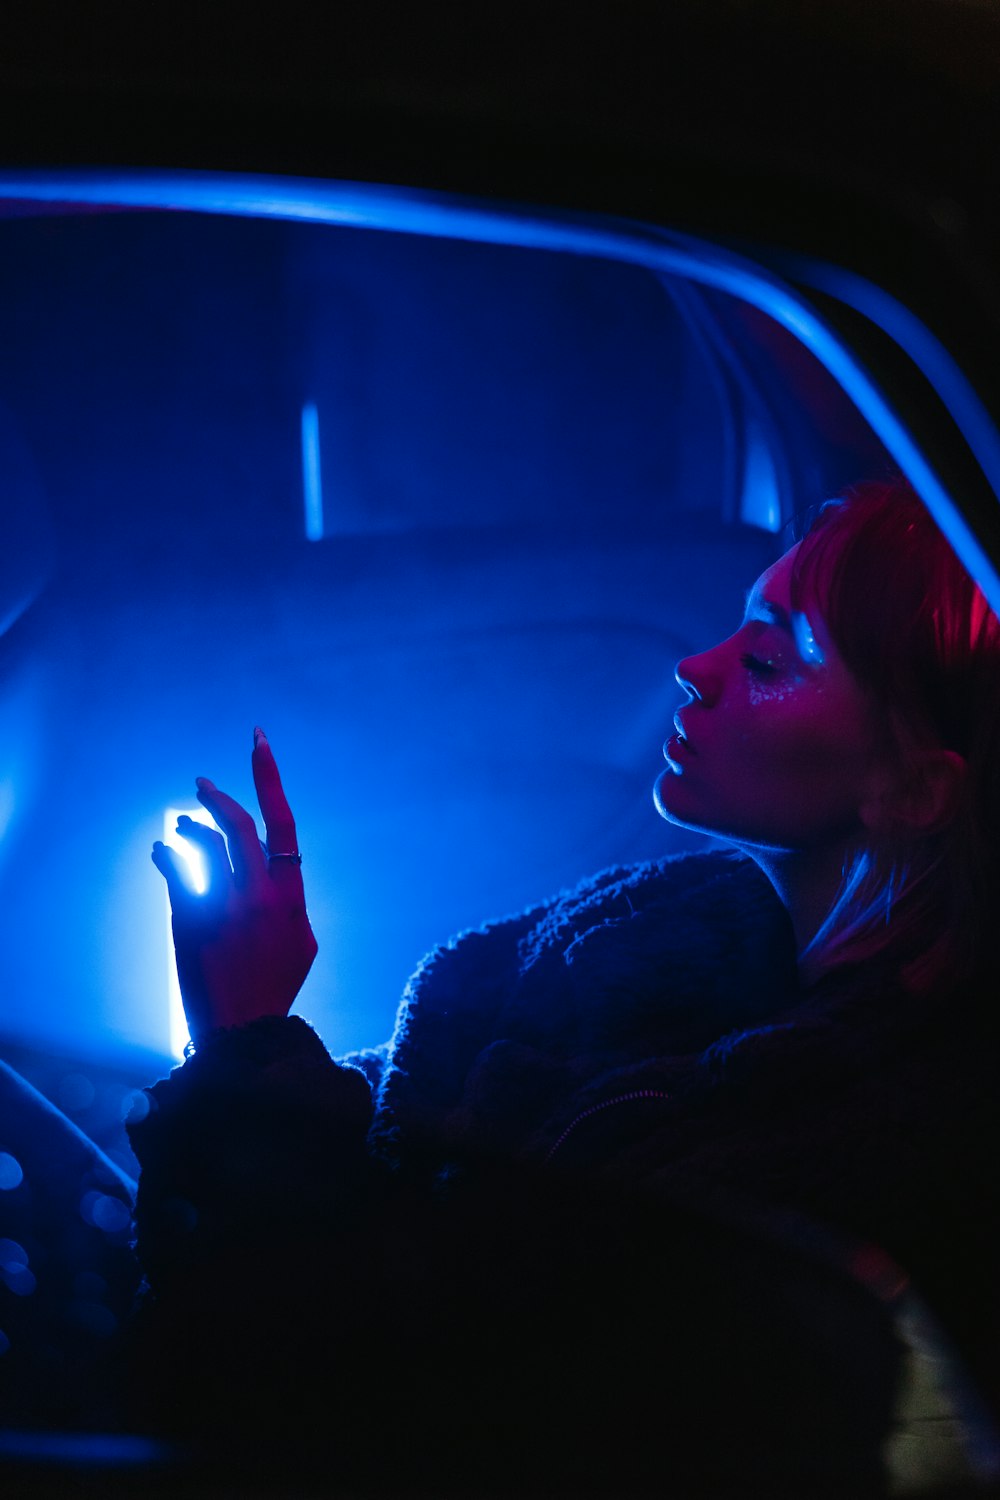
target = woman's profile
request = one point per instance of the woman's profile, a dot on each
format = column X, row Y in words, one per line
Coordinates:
column 607, row 1195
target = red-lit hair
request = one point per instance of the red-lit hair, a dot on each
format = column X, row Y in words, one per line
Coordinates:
column 919, row 637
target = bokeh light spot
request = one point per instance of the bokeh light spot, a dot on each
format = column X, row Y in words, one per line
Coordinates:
column 108, row 1214
column 12, row 1254
column 180, row 1214
column 111, row 1214
column 136, row 1106
column 18, row 1279
column 11, row 1175
column 88, row 1286
column 94, row 1317
column 74, row 1093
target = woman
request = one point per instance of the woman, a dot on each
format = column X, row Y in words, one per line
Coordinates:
column 610, row 1124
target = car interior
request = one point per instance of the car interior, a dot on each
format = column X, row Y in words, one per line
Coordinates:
column 438, row 492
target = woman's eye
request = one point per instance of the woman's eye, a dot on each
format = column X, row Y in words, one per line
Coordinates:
column 757, row 666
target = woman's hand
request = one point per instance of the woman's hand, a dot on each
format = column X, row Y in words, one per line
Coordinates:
column 245, row 947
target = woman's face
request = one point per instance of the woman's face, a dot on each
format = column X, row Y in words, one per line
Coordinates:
column 776, row 744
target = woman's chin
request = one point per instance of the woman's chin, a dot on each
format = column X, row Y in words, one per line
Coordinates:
column 673, row 801
column 668, row 797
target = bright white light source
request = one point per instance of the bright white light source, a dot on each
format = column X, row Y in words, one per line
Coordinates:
column 312, row 479
column 198, row 871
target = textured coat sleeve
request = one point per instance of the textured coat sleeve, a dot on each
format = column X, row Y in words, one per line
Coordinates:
column 258, row 1135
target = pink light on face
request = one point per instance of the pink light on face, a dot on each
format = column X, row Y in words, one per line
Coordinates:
column 783, row 752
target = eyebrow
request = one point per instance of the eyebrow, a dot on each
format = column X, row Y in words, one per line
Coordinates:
column 799, row 628
column 756, row 603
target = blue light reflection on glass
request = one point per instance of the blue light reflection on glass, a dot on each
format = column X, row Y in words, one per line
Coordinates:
column 417, row 212
column 312, row 478
column 926, row 351
column 760, row 504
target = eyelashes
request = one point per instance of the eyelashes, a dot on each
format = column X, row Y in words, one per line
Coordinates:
column 756, row 666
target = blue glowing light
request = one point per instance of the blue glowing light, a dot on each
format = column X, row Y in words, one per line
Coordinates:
column 312, row 479
column 760, row 503
column 11, row 1175
column 6, row 805
column 808, row 647
column 84, row 1449
column 12, row 1254
column 106, row 1213
column 194, row 859
column 412, row 211
column 19, row 1279
column 15, row 1273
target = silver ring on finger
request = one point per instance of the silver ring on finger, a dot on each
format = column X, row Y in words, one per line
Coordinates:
column 291, row 854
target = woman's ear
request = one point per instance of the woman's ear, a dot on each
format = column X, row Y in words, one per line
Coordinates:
column 920, row 800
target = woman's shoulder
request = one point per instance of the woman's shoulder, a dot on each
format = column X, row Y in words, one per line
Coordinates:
column 651, row 879
column 683, row 914
column 654, row 958
column 715, row 890
column 717, row 880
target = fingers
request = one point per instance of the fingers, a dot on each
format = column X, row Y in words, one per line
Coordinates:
column 274, row 806
column 246, row 858
column 175, row 872
column 281, row 835
column 213, row 848
column 249, row 865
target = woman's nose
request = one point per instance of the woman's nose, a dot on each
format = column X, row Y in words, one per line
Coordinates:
column 698, row 675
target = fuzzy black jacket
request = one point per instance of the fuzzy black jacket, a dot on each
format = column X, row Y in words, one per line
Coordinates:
column 641, row 1040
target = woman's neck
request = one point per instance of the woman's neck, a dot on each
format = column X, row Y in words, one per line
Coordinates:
column 806, row 882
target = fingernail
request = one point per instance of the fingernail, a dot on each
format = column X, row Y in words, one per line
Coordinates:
column 259, row 735
column 202, row 782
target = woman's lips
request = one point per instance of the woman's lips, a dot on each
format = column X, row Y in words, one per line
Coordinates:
column 678, row 741
column 677, row 749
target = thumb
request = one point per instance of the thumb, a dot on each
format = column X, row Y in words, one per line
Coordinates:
column 174, row 871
